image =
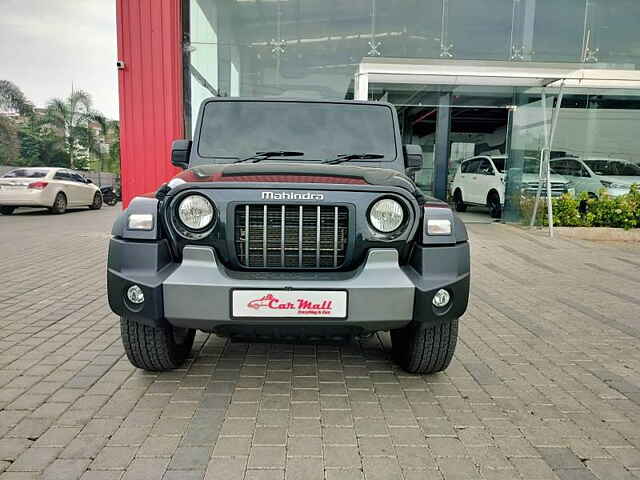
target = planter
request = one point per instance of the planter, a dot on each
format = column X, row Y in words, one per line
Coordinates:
column 598, row 234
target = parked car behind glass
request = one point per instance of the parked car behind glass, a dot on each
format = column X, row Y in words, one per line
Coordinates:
column 53, row 188
column 592, row 174
column 481, row 181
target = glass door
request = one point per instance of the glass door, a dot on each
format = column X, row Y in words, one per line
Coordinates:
column 530, row 180
column 450, row 123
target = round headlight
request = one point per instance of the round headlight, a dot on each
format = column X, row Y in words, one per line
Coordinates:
column 386, row 215
column 195, row 212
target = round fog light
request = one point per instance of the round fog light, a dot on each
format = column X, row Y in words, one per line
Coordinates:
column 441, row 298
column 135, row 294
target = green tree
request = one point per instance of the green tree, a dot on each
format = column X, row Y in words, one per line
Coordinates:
column 114, row 148
column 70, row 118
column 11, row 100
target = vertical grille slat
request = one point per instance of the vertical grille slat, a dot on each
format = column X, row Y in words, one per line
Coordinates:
column 282, row 227
column 318, row 226
column 335, row 237
column 291, row 236
column 264, row 236
column 300, row 215
column 247, row 234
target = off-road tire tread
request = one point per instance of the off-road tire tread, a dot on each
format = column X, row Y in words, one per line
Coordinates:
column 426, row 349
column 152, row 348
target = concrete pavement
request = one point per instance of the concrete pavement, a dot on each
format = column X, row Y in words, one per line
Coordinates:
column 545, row 383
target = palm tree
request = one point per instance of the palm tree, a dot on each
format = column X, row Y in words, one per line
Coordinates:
column 11, row 100
column 71, row 117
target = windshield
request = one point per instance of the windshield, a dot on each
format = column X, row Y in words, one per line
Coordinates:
column 321, row 131
column 499, row 163
column 532, row 165
column 617, row 168
column 26, row 173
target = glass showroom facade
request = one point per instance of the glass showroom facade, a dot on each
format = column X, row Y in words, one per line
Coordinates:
column 515, row 78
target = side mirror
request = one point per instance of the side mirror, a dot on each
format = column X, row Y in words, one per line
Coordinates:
column 412, row 157
column 180, row 151
column 88, row 180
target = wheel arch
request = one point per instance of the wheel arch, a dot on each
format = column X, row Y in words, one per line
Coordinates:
column 59, row 190
column 491, row 192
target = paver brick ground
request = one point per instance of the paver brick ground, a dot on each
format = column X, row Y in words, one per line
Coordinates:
column 545, row 383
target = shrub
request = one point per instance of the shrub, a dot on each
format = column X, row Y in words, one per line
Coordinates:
column 581, row 211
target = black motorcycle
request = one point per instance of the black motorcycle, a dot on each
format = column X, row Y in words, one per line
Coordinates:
column 109, row 196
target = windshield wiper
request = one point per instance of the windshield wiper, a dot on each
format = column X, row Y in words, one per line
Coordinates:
column 353, row 156
column 259, row 156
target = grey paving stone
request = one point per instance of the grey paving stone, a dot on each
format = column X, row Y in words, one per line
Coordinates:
column 102, row 475
column 84, row 446
column 304, row 446
column 304, row 468
column 340, row 456
column 341, row 474
column 30, row 428
column 35, row 459
column 609, row 470
column 270, row 436
column 560, row 458
column 113, row 458
column 190, row 458
column 66, row 469
column 183, row 475
column 11, row 448
column 339, row 436
column 229, row 468
column 264, row 475
column 266, row 457
column 575, row 474
column 159, row 446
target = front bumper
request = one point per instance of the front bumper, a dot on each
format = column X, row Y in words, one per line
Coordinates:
column 196, row 293
column 617, row 192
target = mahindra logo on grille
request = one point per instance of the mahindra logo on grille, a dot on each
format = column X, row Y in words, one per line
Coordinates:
column 292, row 196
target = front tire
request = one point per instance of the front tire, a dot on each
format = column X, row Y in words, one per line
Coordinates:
column 59, row 204
column 493, row 203
column 97, row 202
column 7, row 210
column 420, row 348
column 155, row 349
column 459, row 201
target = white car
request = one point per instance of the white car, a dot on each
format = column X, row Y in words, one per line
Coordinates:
column 481, row 181
column 54, row 188
column 591, row 174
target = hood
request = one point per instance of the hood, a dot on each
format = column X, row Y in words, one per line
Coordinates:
column 533, row 178
column 620, row 179
column 291, row 172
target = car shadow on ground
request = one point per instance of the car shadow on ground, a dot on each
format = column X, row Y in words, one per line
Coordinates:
column 26, row 212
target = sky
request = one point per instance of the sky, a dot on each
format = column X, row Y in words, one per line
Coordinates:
column 46, row 46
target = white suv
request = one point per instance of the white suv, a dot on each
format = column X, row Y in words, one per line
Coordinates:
column 481, row 181
column 589, row 175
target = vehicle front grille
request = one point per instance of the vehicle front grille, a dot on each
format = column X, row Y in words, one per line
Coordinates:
column 291, row 236
column 557, row 188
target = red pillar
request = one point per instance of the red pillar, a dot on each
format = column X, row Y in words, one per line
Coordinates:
column 151, row 103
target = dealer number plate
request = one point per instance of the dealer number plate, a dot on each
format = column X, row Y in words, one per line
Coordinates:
column 289, row 303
